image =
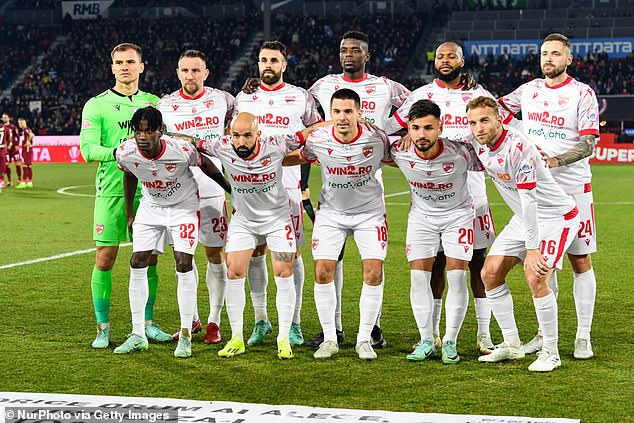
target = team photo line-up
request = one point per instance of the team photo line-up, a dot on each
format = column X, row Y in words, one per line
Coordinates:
column 264, row 140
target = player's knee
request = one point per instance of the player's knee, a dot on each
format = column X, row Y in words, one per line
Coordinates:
column 105, row 258
column 284, row 271
column 324, row 274
column 140, row 260
column 184, row 262
column 214, row 255
column 580, row 263
column 373, row 276
column 488, row 275
column 233, row 273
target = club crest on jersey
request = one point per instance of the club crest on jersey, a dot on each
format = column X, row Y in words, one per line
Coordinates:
column 448, row 167
column 430, row 95
column 170, row 167
column 370, row 89
column 289, row 98
column 209, row 104
column 563, row 101
column 467, row 97
column 367, row 151
column 265, row 161
column 85, row 124
column 315, row 243
column 175, row 107
column 99, row 228
column 500, row 158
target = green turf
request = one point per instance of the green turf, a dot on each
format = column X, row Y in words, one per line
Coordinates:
column 47, row 323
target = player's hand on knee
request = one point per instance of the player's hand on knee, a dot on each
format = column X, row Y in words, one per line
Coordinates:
column 536, row 263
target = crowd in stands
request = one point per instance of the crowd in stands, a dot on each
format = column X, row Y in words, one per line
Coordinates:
column 313, row 45
column 19, row 44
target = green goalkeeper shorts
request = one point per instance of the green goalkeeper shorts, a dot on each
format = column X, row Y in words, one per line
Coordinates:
column 110, row 222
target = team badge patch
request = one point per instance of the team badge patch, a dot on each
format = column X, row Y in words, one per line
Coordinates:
column 370, row 89
column 367, row 151
column 265, row 161
column 563, row 101
column 315, row 243
column 99, row 228
column 209, row 104
column 500, row 158
column 85, row 124
column 466, row 97
column 448, row 167
column 170, row 167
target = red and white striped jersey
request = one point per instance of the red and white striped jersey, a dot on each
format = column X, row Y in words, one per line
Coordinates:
column 455, row 126
column 282, row 110
column 167, row 179
column 257, row 193
column 378, row 95
column 514, row 163
column 438, row 185
column 203, row 117
column 348, row 170
column 554, row 117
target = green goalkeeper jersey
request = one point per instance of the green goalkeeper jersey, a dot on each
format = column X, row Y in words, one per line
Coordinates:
column 105, row 124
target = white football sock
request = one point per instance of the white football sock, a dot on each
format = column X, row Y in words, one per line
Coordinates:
column 285, row 302
column 339, row 289
column 186, row 294
column 437, row 315
column 216, row 280
column 501, row 303
column 325, row 298
column 196, row 316
column 553, row 283
column 138, row 292
column 369, row 306
column 298, row 280
column 483, row 315
column 585, row 291
column 422, row 300
column 235, row 306
column 258, row 281
column 456, row 303
column 546, row 309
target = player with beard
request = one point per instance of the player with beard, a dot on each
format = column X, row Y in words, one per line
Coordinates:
column 452, row 90
column 280, row 108
column 561, row 116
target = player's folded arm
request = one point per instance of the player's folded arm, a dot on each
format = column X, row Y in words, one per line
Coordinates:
column 294, row 158
column 214, row 173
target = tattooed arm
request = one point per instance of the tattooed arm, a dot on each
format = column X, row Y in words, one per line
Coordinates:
column 193, row 140
column 583, row 149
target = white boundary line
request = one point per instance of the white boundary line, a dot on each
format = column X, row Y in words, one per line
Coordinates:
column 55, row 257
column 65, row 189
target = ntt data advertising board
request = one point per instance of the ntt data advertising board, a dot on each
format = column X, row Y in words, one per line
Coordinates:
column 615, row 48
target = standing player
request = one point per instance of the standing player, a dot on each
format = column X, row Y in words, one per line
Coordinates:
column 351, row 203
column 202, row 112
column 452, row 93
column 538, row 234
column 280, row 108
column 561, row 116
column 105, row 125
column 12, row 154
column 261, row 213
column 378, row 95
column 169, row 204
column 26, row 136
column 441, row 213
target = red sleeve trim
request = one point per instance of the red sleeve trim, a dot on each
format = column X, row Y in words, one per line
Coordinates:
column 588, row 132
column 530, row 185
column 301, row 153
column 301, row 137
column 399, row 120
column 511, row 114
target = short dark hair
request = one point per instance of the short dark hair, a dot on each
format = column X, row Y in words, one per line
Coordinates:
column 484, row 101
column 126, row 47
column 346, row 94
column 274, row 45
column 150, row 114
column 356, row 35
column 559, row 37
column 194, row 54
column 424, row 108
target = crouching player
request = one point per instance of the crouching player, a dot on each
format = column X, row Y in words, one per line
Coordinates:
column 541, row 230
column 169, row 203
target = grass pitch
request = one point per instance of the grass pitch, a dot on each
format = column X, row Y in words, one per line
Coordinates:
column 47, row 322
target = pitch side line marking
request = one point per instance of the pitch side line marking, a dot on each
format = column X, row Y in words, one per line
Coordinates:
column 55, row 257
column 64, row 191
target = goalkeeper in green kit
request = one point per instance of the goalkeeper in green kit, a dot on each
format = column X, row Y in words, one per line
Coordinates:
column 105, row 125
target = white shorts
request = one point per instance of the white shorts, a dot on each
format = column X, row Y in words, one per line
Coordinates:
column 484, row 228
column 277, row 233
column 153, row 225
column 297, row 214
column 556, row 236
column 331, row 230
column 585, row 240
column 213, row 221
column 425, row 235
